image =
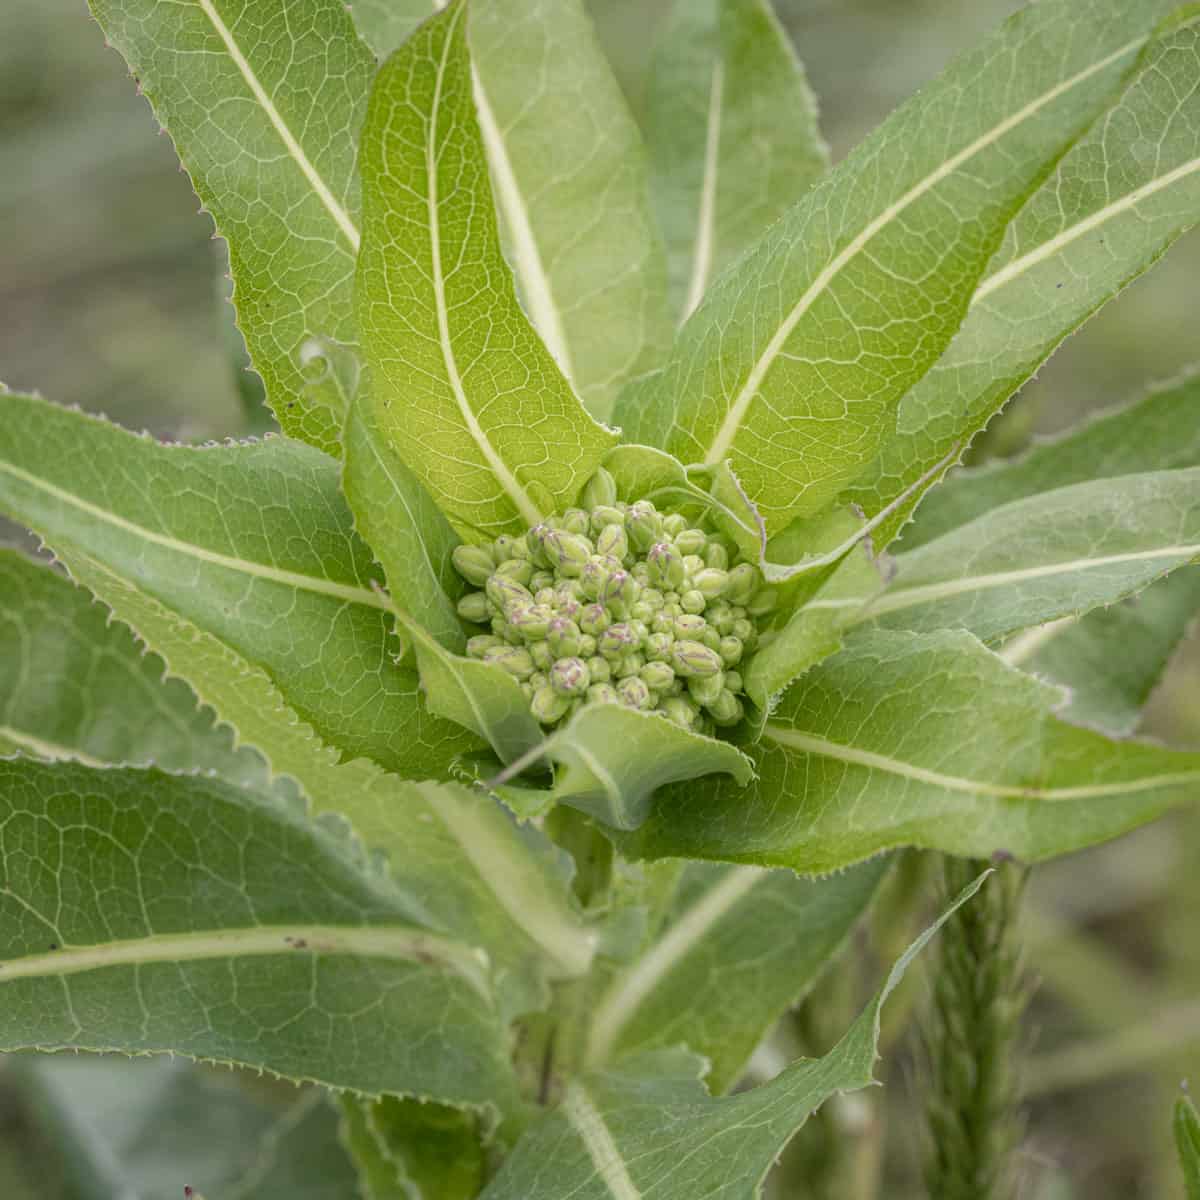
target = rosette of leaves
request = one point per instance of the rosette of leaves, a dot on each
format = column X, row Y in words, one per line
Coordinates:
column 490, row 318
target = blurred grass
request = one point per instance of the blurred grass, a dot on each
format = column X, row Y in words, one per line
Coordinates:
column 109, row 300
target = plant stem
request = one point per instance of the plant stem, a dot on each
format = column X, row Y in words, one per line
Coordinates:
column 970, row 1036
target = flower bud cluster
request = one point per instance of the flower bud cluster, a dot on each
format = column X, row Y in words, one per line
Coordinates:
column 617, row 603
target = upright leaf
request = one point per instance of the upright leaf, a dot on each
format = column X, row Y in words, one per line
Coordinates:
column 739, row 946
column 74, row 684
column 1158, row 432
column 252, row 543
column 795, row 365
column 454, row 854
column 1056, row 554
column 146, row 1128
column 1113, row 207
column 733, row 136
column 264, row 105
column 1187, row 1139
column 647, row 1127
column 462, row 387
column 910, row 740
column 406, row 1149
column 145, row 912
column 1109, row 688
column 569, row 174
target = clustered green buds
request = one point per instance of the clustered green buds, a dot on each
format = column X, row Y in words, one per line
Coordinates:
column 621, row 604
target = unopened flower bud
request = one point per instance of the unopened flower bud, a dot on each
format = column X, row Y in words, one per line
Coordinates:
column 692, row 601
column 473, row 563
column 504, row 593
column 693, row 564
column 507, row 547
column 520, row 569
column 515, row 660
column 663, row 622
column 633, row 692
column 643, row 525
column 474, row 607
column 542, row 655
column 539, row 679
column 716, row 556
column 600, row 489
column 710, row 582
column 540, row 580
column 631, row 664
column 570, row 676
column 594, row 619
column 706, row 688
column 575, row 520
column 666, row 565
column 694, row 660
column 691, row 541
column 657, row 676
column 587, row 646
column 613, row 539
column 730, row 651
column 726, row 709
column 479, row 645
column 719, row 614
column 733, row 681
column 674, row 524
column 643, row 612
column 535, row 540
column 620, row 593
column 744, row 581
column 594, row 576
column 548, row 705
column 563, row 637
column 567, row 552
column 681, row 709
column 658, row 646
column 606, row 514
column 615, row 641
column 688, row 625
column 533, row 621
column 744, row 630
column 602, row 693
column 599, row 669
column 711, row 638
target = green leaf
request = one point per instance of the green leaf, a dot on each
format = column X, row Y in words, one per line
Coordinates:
column 1116, row 203
column 1158, row 432
column 1056, row 554
column 646, row 1126
column 733, row 136
column 612, row 759
column 462, row 388
column 251, row 543
column 569, row 174
column 406, row 530
column 142, row 1129
column 912, row 740
column 1187, row 1139
column 456, row 853
column 74, row 684
column 407, row 1149
column 795, row 365
column 264, row 106
column 740, row 946
column 1107, row 689
column 145, row 912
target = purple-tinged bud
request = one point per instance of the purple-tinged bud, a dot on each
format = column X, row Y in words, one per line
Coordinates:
column 688, row 625
column 658, row 646
column 514, row 660
column 520, row 569
column 548, row 705
column 606, row 514
column 620, row 594
column 563, row 637
column 657, row 676
column 602, row 693
column 613, row 539
column 567, row 552
column 643, row 524
column 633, row 692
column 504, row 593
column 694, row 660
column 666, row 565
column 616, row 641
column 533, row 621
column 570, row 677
column 594, row 619
column 575, row 520
column 507, row 547
column 631, row 664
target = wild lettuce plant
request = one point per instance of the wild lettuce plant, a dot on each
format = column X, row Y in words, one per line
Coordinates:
column 507, row 744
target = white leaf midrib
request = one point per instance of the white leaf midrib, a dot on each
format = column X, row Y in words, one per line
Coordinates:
column 294, row 579
column 323, row 192
column 588, row 1123
column 856, row 756
column 720, row 446
column 704, row 246
column 508, row 482
column 397, row 942
column 630, row 988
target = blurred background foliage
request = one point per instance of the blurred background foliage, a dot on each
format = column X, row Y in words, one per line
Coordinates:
column 112, row 298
